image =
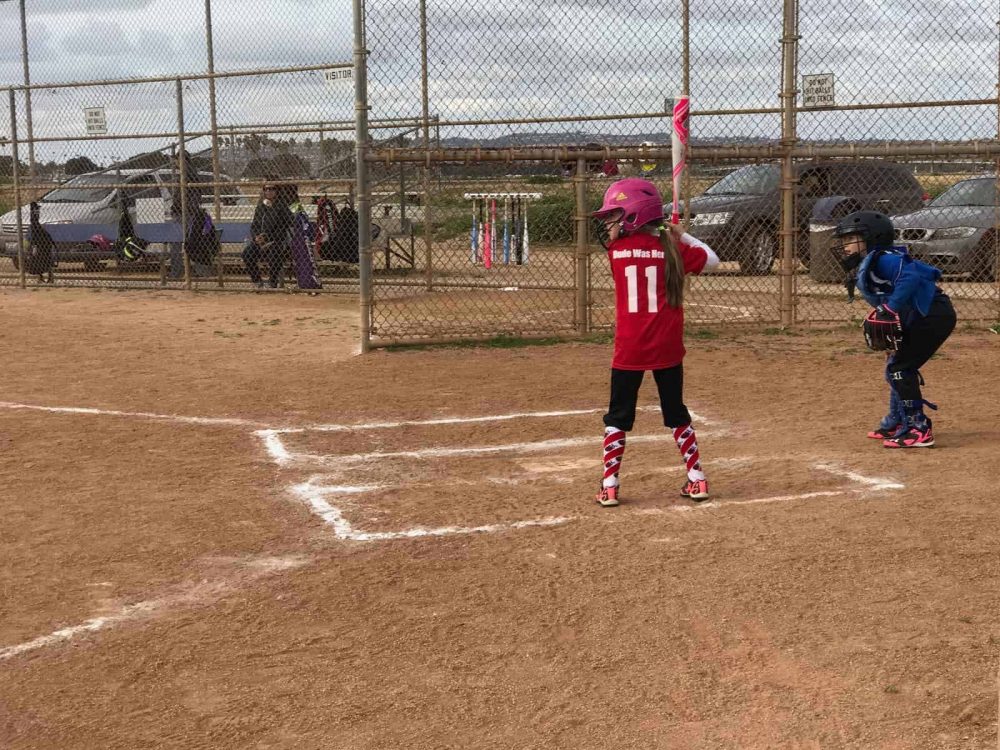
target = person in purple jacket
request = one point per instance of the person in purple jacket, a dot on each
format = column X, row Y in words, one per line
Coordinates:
column 300, row 239
column 905, row 293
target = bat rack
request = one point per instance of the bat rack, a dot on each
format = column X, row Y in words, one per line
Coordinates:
column 499, row 234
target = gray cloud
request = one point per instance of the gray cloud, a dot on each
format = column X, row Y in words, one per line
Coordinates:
column 522, row 58
column 62, row 8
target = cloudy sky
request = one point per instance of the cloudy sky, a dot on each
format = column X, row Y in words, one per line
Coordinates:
column 508, row 59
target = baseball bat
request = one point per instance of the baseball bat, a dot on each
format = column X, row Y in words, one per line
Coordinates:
column 678, row 150
column 487, row 238
column 474, row 236
column 525, row 253
column 506, row 231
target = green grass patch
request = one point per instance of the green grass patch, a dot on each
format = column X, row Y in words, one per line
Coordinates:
column 703, row 334
column 543, row 179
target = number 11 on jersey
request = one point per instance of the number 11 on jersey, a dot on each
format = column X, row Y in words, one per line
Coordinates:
column 632, row 277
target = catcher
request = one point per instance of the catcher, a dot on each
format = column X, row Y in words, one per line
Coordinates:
column 911, row 319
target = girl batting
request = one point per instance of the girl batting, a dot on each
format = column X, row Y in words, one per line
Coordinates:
column 648, row 261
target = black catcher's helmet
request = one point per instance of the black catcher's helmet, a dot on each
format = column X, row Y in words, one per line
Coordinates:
column 874, row 227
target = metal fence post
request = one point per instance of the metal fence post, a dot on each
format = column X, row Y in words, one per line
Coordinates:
column 686, row 91
column 582, row 254
column 27, row 94
column 182, row 161
column 17, row 187
column 361, row 178
column 425, row 115
column 789, row 225
column 996, row 243
column 214, row 127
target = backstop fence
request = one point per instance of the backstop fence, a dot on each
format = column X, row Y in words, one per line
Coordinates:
column 472, row 138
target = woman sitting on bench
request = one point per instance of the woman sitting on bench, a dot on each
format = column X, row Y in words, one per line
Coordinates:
column 269, row 238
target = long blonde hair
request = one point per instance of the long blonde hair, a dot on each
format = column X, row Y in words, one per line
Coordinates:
column 673, row 265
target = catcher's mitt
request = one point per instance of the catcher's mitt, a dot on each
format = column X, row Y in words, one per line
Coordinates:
column 882, row 329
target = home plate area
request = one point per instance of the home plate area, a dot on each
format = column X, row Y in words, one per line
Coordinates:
column 503, row 473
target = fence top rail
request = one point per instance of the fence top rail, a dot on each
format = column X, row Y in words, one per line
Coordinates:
column 702, row 153
column 308, row 128
column 183, row 77
column 437, row 121
column 259, row 183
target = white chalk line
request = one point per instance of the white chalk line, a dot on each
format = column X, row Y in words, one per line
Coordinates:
column 534, row 477
column 199, row 593
column 281, row 455
column 226, row 421
column 315, row 496
column 876, row 483
column 438, row 421
column 343, row 529
column 270, row 428
column 754, row 501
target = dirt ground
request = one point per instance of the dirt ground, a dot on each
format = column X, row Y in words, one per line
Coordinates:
column 224, row 529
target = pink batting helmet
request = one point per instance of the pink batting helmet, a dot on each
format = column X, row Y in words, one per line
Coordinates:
column 638, row 199
column 100, row 242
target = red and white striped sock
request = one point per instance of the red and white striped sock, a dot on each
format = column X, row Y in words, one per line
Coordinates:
column 687, row 441
column 614, row 449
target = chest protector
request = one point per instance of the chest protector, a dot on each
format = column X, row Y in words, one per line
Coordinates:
column 877, row 289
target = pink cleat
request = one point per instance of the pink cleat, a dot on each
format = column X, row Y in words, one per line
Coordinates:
column 912, row 437
column 607, row 497
column 884, row 433
column 696, row 489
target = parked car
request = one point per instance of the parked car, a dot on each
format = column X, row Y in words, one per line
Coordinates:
column 957, row 231
column 740, row 215
column 90, row 199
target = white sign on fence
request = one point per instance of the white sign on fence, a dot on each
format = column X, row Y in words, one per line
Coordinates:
column 817, row 90
column 333, row 77
column 97, row 124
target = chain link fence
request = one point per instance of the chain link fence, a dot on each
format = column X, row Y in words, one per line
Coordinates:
column 488, row 131
column 177, row 123
column 800, row 114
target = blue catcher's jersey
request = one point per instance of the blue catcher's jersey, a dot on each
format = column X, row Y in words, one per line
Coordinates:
column 891, row 277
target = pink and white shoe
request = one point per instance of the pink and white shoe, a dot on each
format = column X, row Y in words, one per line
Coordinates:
column 884, row 433
column 608, row 497
column 912, row 437
column 696, row 489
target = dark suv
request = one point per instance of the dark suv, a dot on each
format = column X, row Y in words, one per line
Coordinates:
column 740, row 215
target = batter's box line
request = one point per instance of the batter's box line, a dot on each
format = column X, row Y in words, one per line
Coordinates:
column 281, row 455
column 284, row 457
column 315, row 496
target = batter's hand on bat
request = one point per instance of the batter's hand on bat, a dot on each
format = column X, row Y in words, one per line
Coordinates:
column 676, row 229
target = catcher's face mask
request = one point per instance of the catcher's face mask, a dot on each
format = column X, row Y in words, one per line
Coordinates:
column 849, row 249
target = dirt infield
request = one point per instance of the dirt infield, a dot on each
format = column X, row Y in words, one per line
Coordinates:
column 222, row 529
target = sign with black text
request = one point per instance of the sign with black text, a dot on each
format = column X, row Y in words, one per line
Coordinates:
column 817, row 90
column 97, row 124
column 333, row 77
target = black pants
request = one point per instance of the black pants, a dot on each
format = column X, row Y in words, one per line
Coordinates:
column 921, row 339
column 625, row 394
column 273, row 253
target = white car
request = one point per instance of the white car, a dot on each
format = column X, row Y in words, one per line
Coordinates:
column 90, row 199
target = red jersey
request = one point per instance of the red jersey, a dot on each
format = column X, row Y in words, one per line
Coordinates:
column 649, row 334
